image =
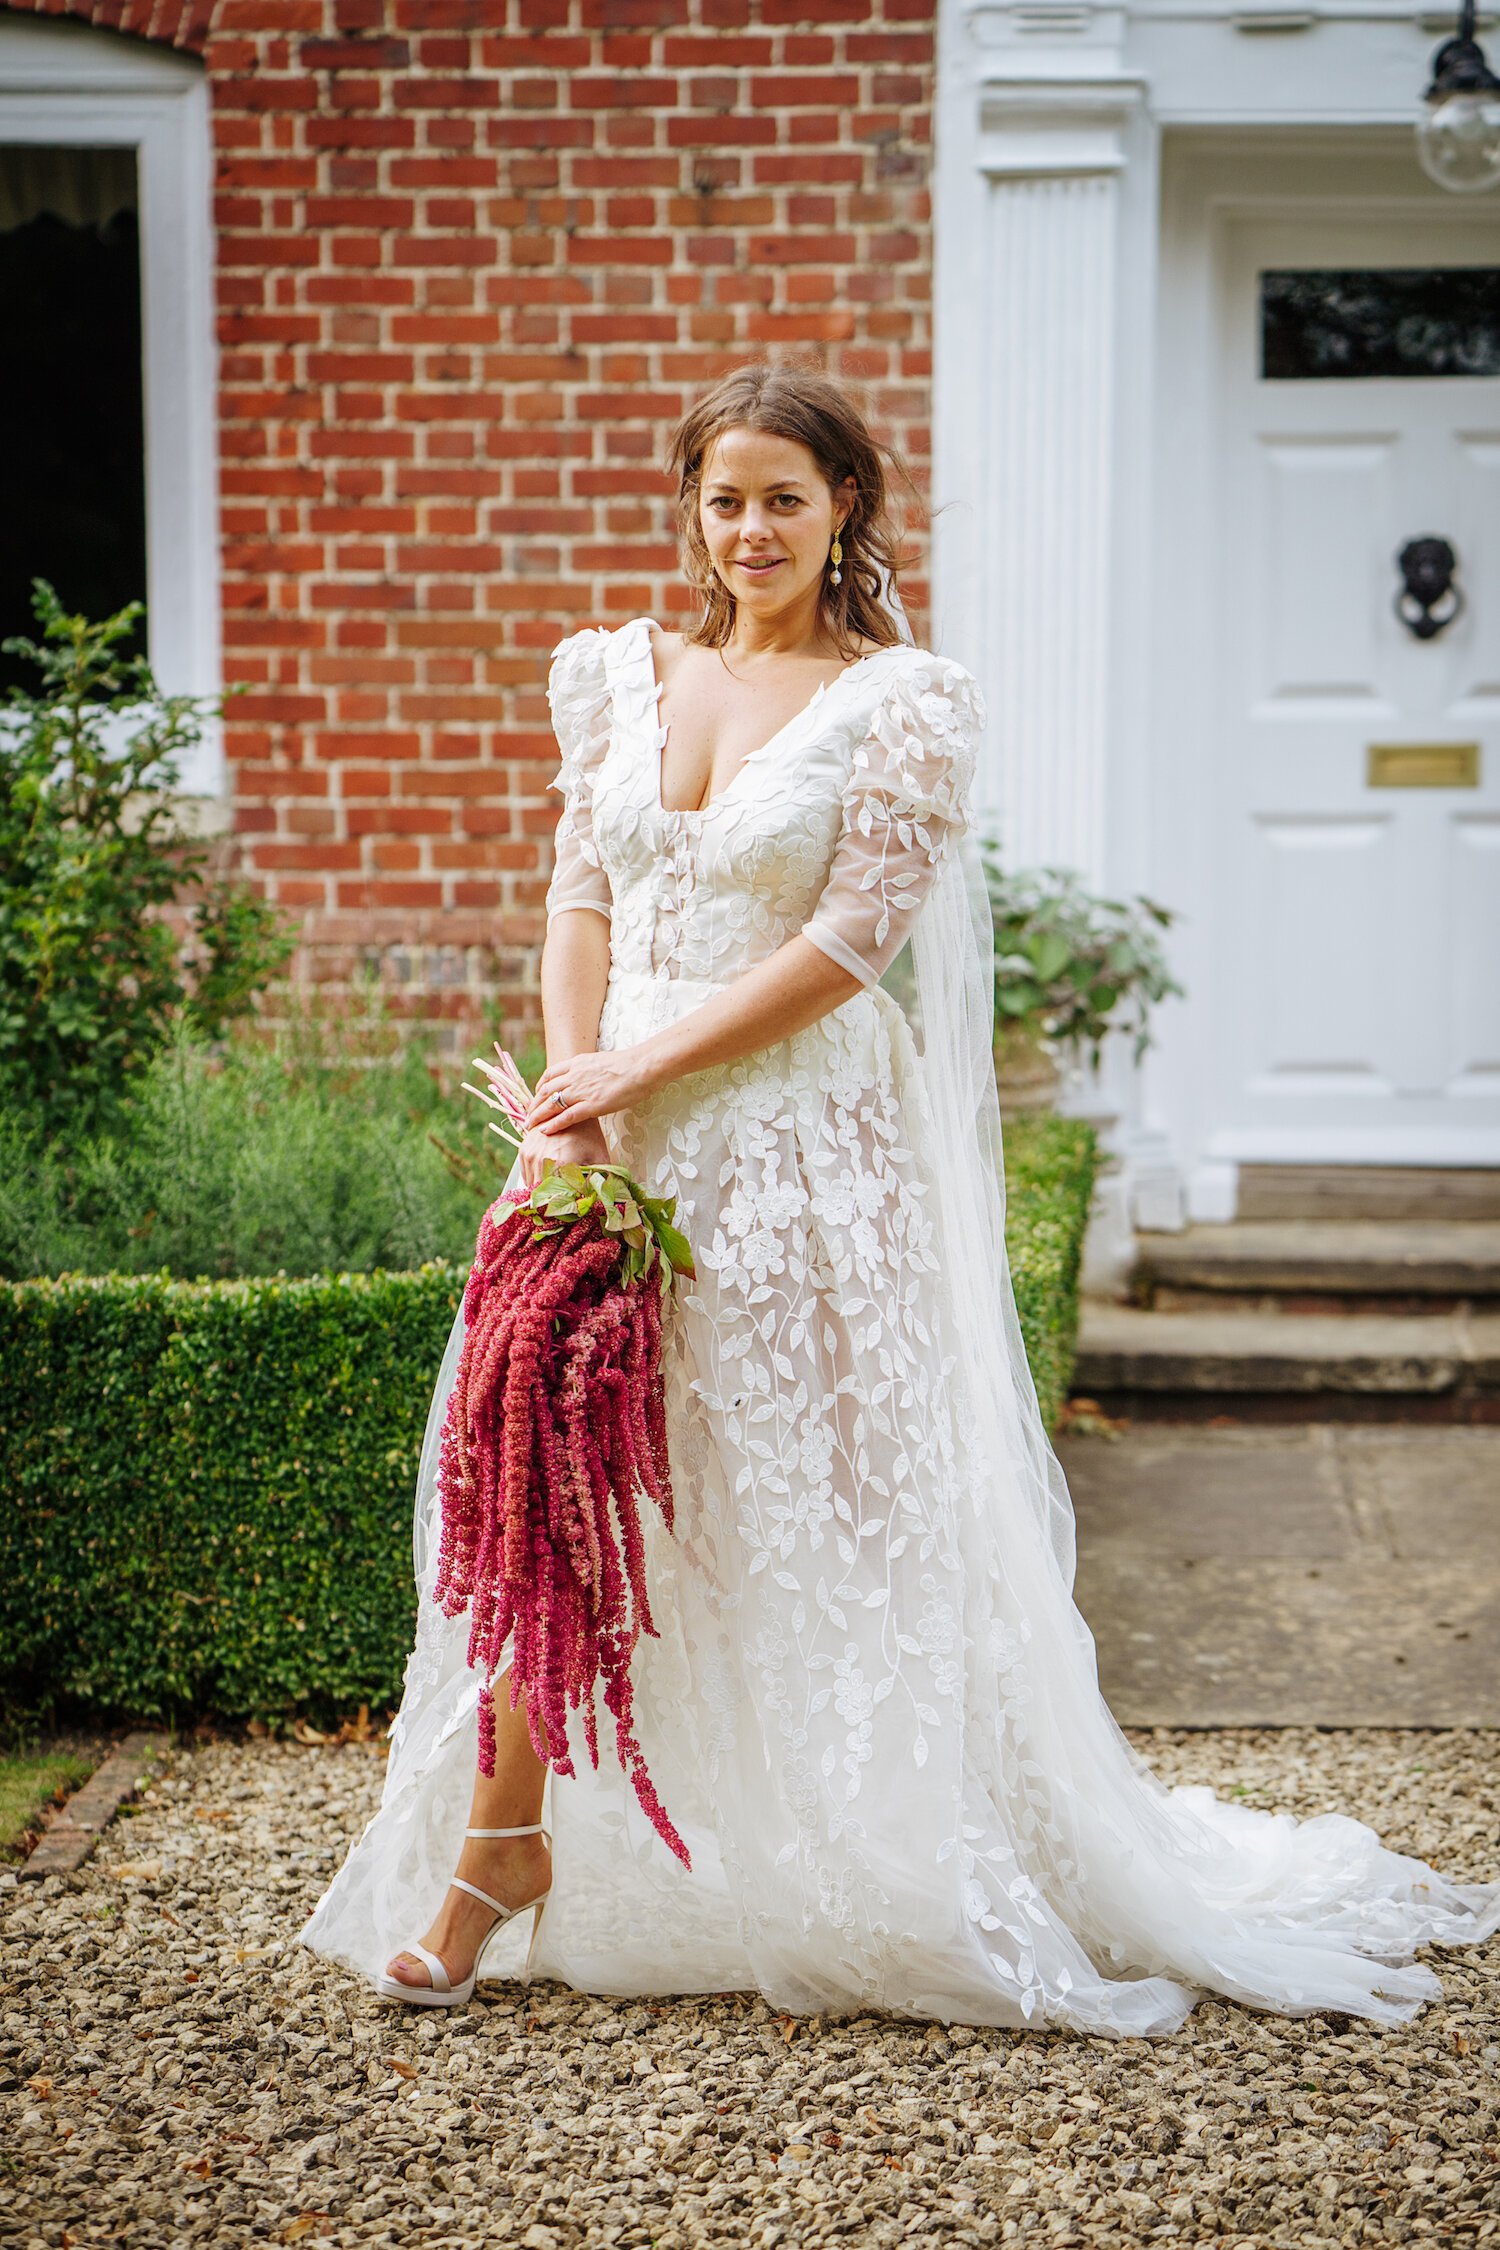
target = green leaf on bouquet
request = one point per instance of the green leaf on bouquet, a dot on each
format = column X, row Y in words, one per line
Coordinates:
column 640, row 1222
column 676, row 1247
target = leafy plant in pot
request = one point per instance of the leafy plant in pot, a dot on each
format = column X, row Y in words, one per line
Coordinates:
column 1070, row 968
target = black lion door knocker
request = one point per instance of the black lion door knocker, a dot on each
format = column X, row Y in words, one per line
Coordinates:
column 1427, row 567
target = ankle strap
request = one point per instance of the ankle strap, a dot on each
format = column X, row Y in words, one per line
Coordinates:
column 535, row 1829
column 475, row 1892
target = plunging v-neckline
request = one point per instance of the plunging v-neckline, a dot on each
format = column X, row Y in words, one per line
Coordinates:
column 644, row 626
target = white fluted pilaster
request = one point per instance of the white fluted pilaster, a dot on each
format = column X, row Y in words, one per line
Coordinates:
column 1047, row 481
column 1028, row 318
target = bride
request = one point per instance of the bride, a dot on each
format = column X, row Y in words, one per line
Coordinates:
column 872, row 1711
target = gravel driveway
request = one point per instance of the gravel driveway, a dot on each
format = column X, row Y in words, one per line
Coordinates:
column 174, row 2070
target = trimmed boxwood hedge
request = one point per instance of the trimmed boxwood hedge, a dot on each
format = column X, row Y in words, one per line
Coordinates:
column 210, row 1483
column 1050, row 1167
column 210, row 1488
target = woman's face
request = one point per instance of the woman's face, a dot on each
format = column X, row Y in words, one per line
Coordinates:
column 768, row 518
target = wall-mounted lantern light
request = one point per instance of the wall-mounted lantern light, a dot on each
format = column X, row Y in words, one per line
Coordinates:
column 1458, row 133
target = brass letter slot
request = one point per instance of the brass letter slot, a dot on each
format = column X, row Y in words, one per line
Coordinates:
column 1422, row 765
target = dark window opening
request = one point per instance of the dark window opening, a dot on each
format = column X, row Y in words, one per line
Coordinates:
column 70, row 387
column 1383, row 321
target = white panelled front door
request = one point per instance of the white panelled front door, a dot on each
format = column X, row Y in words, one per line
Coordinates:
column 1355, row 823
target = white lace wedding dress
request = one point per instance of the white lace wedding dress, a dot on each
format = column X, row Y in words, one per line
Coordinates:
column 872, row 1711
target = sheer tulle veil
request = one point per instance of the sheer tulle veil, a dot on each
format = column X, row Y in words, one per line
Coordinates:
column 948, row 998
column 953, row 963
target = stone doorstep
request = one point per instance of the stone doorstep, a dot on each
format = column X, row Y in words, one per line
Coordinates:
column 1394, row 1192
column 67, row 1842
column 1122, row 1348
column 1453, row 1259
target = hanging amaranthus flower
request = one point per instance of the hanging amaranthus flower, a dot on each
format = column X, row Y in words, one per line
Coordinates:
column 556, row 1427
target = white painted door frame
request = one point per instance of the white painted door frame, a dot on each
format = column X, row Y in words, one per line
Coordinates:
column 1049, row 551
column 1217, row 201
column 67, row 85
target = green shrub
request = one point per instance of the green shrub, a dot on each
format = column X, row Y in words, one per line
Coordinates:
column 210, row 1484
column 252, row 1162
column 1050, row 1164
column 92, row 854
column 210, row 1488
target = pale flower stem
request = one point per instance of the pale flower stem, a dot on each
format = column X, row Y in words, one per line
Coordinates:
column 507, row 1092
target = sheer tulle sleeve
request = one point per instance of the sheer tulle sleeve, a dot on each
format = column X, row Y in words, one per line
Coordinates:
column 578, row 692
column 905, row 803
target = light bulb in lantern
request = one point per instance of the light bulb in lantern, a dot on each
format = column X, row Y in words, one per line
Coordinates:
column 1458, row 133
column 1458, row 142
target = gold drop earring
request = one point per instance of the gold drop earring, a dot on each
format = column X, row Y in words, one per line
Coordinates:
column 836, row 556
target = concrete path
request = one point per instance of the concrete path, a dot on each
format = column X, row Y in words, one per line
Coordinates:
column 1321, row 1575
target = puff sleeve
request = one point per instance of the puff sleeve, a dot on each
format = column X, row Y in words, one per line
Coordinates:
column 578, row 694
column 905, row 802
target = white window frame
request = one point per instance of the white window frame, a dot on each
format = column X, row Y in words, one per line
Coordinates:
column 65, row 84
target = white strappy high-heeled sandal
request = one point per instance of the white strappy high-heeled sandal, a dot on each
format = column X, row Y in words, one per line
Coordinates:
column 443, row 1992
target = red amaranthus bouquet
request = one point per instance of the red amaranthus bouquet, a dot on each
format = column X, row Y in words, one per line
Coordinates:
column 555, row 1426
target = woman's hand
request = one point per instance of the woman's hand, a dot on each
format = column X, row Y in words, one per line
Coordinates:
column 591, row 1085
column 581, row 1144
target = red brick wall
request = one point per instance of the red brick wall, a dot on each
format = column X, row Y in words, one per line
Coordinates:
column 472, row 260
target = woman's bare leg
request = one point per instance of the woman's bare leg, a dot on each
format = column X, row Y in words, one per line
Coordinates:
column 512, row 1868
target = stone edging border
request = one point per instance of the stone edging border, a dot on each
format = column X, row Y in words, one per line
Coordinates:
column 66, row 1844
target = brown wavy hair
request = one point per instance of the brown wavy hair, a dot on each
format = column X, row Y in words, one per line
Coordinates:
column 798, row 403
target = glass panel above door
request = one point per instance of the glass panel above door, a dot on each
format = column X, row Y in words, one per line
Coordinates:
column 1382, row 320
